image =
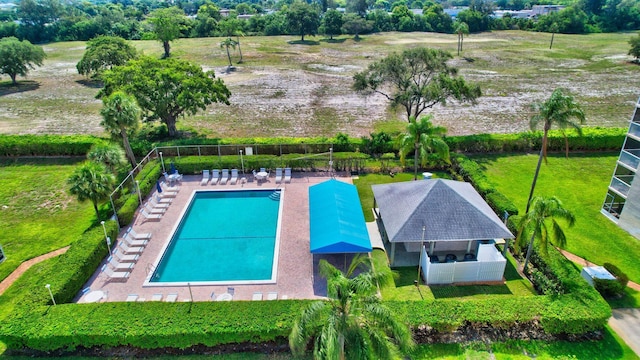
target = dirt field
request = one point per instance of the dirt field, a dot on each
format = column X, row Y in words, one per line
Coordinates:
column 284, row 88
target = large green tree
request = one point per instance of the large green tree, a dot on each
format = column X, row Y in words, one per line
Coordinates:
column 422, row 138
column 17, row 57
column 352, row 323
column 303, row 18
column 416, row 79
column 103, row 53
column 121, row 114
column 332, row 23
column 635, row 48
column 167, row 24
column 207, row 19
column 355, row 24
column 91, row 181
column 562, row 111
column 166, row 89
column 542, row 223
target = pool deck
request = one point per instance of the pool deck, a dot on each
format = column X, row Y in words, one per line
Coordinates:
column 295, row 277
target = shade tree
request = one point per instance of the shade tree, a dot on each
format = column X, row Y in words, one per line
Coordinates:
column 167, row 23
column 166, row 89
column 303, row 18
column 332, row 23
column 103, row 53
column 18, row 57
column 635, row 48
column 416, row 79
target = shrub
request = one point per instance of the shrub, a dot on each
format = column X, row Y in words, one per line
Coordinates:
column 47, row 145
column 608, row 288
column 615, row 271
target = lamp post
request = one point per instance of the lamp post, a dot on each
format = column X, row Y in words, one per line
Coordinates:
column 241, row 161
column 331, row 161
column 421, row 248
column 138, row 189
column 162, row 161
column 106, row 237
column 48, row 286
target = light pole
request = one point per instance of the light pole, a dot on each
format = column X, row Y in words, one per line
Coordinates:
column 138, row 189
column 331, row 161
column 421, row 248
column 241, row 161
column 106, row 237
column 162, row 161
column 48, row 286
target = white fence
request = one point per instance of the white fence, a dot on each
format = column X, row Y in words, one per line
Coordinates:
column 489, row 266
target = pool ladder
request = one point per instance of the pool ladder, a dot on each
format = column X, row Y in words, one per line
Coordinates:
column 275, row 195
column 150, row 268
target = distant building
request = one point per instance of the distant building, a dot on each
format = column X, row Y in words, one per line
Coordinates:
column 538, row 10
column 622, row 203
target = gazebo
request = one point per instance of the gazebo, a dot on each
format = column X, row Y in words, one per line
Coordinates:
column 448, row 223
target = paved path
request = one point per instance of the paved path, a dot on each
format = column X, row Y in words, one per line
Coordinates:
column 578, row 260
column 26, row 265
column 626, row 323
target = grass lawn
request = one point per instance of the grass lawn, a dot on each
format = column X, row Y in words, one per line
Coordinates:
column 581, row 183
column 37, row 215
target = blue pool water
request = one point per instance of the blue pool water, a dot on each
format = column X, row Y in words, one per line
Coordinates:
column 223, row 236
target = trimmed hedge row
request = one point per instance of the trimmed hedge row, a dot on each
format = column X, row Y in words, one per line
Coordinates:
column 127, row 203
column 47, row 145
column 471, row 172
column 595, row 138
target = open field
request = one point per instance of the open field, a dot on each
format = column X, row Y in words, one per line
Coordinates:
column 285, row 88
column 581, row 183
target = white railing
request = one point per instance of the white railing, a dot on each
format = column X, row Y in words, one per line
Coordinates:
column 489, row 266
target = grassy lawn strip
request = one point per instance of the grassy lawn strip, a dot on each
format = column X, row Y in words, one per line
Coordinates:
column 37, row 214
column 581, row 183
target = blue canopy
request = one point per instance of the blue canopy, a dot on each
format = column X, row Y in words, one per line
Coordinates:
column 337, row 222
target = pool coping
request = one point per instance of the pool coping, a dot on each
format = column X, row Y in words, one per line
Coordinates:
column 276, row 252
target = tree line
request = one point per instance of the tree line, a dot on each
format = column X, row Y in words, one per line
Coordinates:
column 42, row 21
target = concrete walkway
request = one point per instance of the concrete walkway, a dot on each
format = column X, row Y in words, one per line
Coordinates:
column 626, row 323
column 26, row 265
column 582, row 262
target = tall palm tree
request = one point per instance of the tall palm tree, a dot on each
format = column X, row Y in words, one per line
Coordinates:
column 228, row 43
column 461, row 29
column 120, row 114
column 352, row 323
column 423, row 138
column 561, row 110
column 544, row 209
column 111, row 155
column 91, row 181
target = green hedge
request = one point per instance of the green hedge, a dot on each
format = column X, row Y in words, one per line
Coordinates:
column 47, row 145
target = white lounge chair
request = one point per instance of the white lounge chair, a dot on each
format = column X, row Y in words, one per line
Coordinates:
column 148, row 216
column 140, row 236
column 130, row 249
column 115, row 275
column 215, row 176
column 156, row 297
column 272, row 296
column 287, row 175
column 234, row 177
column 116, row 266
column 167, row 191
column 153, row 210
column 171, row 298
column 133, row 242
column 225, row 177
column 278, row 175
column 124, row 258
column 257, row 296
column 205, row 177
column 132, row 298
column 162, row 200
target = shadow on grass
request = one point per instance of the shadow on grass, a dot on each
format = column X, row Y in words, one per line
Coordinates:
column 630, row 299
column 7, row 88
column 304, row 42
column 94, row 84
column 448, row 291
column 334, row 41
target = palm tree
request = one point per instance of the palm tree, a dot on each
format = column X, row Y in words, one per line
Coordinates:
column 227, row 43
column 91, row 181
column 352, row 323
column 111, row 155
column 560, row 110
column 535, row 221
column 423, row 138
column 461, row 29
column 120, row 113
column 554, row 30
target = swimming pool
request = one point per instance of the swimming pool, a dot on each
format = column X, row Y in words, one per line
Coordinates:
column 223, row 237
